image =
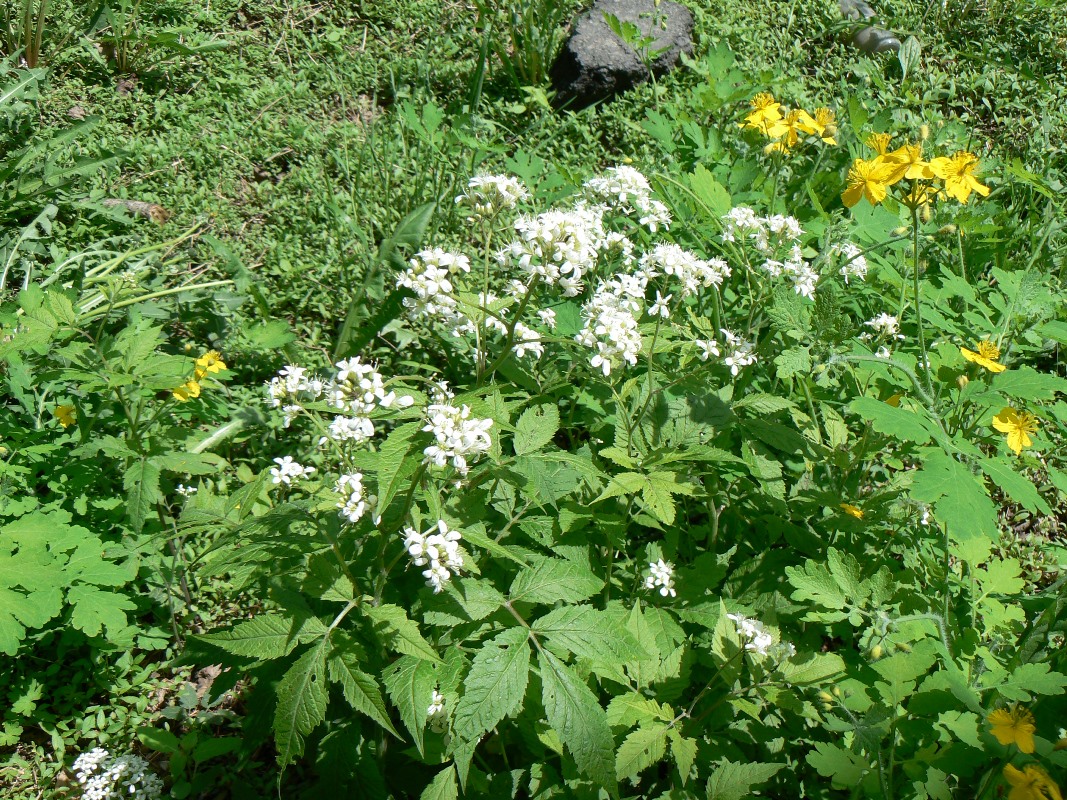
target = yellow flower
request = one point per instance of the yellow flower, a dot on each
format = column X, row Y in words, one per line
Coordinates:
column 867, row 179
column 958, row 174
column 1018, row 425
column 988, row 356
column 1031, row 783
column 795, row 123
column 66, row 415
column 186, row 391
column 910, row 163
column 879, row 142
column 827, row 123
column 765, row 110
column 211, row 361
column 1015, row 726
column 852, row 510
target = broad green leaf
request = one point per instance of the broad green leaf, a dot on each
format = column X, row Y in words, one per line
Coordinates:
column 266, row 636
column 1019, row 488
column 709, row 191
column 1026, row 383
column 576, row 716
column 398, row 459
column 640, row 750
column 629, row 709
column 93, row 609
column 844, row 767
column 360, row 689
column 496, row 684
column 141, row 482
column 819, row 668
column 896, row 422
column 762, row 404
column 962, row 725
column 958, row 497
column 442, row 787
column 684, row 752
column 733, row 781
column 589, row 633
column 549, row 580
column 794, row 361
column 400, row 633
column 410, row 682
column 535, row 428
column 302, row 698
column 1029, row 679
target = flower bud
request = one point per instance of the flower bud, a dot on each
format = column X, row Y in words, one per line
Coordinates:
column 947, row 230
column 877, row 651
column 962, row 381
column 903, row 229
column 829, row 130
column 826, row 697
column 837, row 691
column 926, row 213
column 924, row 131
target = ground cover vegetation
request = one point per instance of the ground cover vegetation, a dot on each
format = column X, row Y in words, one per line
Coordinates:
column 373, row 428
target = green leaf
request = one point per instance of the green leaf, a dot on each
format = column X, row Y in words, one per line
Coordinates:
column 535, row 428
column 550, row 580
column 959, row 499
column 1027, row 679
column 794, row 361
column 141, row 482
column 576, row 716
column 684, row 752
column 896, row 422
column 443, row 786
column 710, row 192
column 640, row 750
column 1026, row 383
column 843, row 766
column 1018, row 488
column 410, row 682
column 360, row 689
column 819, row 668
column 93, row 609
column 590, row 633
column 762, row 404
column 733, row 781
column 302, row 698
column 496, row 684
column 160, row 740
column 267, row 636
column 399, row 632
column 397, row 461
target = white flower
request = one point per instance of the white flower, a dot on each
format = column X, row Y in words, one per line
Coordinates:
column 759, row 640
column 527, row 340
column 610, row 325
column 457, row 434
column 741, row 352
column 692, row 272
column 884, row 324
column 661, row 307
column 708, row 348
column 855, row 265
column 661, row 575
column 437, row 547
column 547, row 317
column 488, row 195
column 559, row 246
column 288, row 470
column 185, row 491
column 106, row 777
column 353, row 503
column 290, row 384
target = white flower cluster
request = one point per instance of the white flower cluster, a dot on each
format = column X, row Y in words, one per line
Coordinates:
column 741, row 352
column 358, row 389
column 106, row 777
column 437, row 548
column 292, row 387
column 435, row 713
column 770, row 236
column 661, row 576
column 692, row 272
column 457, row 434
column 559, row 245
column 429, row 275
column 625, row 190
column 488, row 195
column 855, row 265
column 354, row 502
column 884, row 325
column 185, row 491
column 610, row 318
column 760, row 640
column 289, row 470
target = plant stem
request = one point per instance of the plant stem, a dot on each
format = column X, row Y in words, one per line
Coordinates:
column 918, row 301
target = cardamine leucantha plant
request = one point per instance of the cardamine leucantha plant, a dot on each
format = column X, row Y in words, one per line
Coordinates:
column 662, row 499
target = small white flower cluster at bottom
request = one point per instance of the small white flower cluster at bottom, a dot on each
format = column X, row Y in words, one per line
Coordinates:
column 661, row 576
column 106, row 777
column 435, row 713
column 439, row 550
column 760, row 640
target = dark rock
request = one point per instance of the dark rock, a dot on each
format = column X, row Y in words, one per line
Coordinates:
column 595, row 64
column 870, row 39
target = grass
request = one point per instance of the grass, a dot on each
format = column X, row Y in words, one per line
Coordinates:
column 303, row 145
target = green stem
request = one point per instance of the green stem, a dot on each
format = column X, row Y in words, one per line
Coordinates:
column 918, row 300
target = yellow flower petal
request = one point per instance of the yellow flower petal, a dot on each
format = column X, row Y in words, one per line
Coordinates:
column 1014, row 726
column 852, row 510
column 66, row 415
column 986, row 356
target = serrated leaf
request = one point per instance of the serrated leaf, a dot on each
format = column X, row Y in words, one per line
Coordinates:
column 549, row 580
column 266, row 636
column 1026, row 383
column 410, row 682
column 761, row 404
column 397, row 461
column 733, row 781
column 843, row 766
column 794, row 361
column 360, row 689
column 399, row 632
column 590, row 633
column 709, row 191
column 576, row 716
column 496, row 684
column 892, row 421
column 141, row 482
column 302, row 698
column 640, row 750
column 629, row 709
column 958, row 498
column 1018, row 488
column 819, row 668
column 1028, row 679
column 442, row 787
column 535, row 428
column 684, row 752
column 93, row 609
